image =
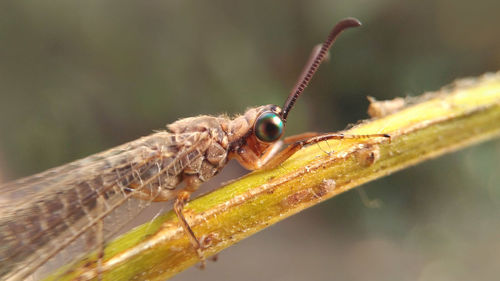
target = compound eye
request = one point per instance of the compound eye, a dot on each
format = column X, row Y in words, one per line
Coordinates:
column 269, row 127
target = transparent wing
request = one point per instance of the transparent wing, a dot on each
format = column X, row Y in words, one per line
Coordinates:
column 54, row 216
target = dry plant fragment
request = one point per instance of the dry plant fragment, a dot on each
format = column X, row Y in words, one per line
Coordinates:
column 378, row 109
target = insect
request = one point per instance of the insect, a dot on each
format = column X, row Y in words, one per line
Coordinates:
column 46, row 213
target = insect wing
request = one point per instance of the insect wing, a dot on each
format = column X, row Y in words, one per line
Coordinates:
column 67, row 212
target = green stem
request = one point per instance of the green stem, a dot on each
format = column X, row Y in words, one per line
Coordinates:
column 445, row 121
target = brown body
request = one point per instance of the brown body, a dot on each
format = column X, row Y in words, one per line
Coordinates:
column 62, row 202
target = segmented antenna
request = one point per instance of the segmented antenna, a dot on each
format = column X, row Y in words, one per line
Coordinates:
column 313, row 64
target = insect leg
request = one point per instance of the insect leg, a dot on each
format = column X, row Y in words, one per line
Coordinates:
column 192, row 183
column 299, row 137
column 296, row 146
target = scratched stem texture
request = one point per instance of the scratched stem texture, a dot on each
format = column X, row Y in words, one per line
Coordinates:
column 461, row 114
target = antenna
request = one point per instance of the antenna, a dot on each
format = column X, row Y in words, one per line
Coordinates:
column 314, row 62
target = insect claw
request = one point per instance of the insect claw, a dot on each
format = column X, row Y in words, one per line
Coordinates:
column 202, row 265
column 389, row 137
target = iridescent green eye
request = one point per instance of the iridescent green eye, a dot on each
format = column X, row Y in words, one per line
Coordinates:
column 269, row 127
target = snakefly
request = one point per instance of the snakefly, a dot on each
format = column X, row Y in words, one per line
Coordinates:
column 45, row 214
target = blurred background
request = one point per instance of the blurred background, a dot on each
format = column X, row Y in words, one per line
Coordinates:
column 80, row 77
